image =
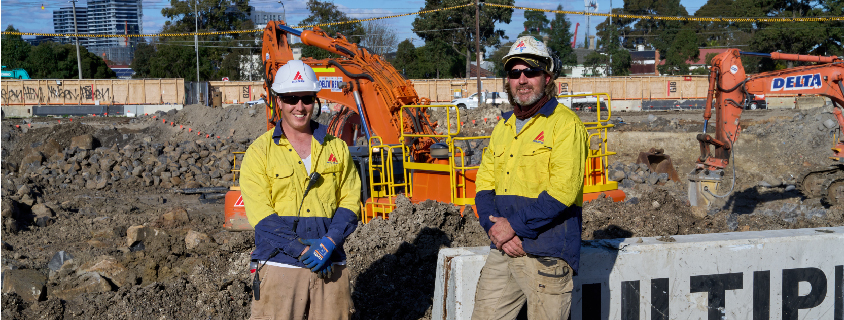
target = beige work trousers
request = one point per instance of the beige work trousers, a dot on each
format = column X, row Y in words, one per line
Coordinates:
column 290, row 293
column 506, row 283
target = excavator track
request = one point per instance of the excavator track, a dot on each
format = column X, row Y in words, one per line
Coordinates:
column 834, row 192
column 812, row 183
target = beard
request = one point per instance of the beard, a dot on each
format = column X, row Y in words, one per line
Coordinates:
column 533, row 97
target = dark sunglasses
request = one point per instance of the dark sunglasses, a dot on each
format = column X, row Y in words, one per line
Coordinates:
column 529, row 72
column 295, row 99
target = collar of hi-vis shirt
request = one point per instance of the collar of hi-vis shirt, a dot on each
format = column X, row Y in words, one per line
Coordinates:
column 546, row 111
column 319, row 132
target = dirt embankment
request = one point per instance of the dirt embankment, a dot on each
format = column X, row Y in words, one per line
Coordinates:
column 134, row 249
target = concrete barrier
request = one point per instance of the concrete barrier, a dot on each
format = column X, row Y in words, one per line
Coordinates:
column 781, row 274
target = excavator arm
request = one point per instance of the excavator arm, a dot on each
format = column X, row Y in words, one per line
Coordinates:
column 370, row 89
column 730, row 90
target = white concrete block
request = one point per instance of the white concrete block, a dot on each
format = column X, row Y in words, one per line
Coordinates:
column 780, row 274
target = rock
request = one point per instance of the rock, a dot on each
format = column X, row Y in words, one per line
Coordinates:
column 829, row 123
column 84, row 142
column 653, row 178
column 663, row 177
column 790, row 187
column 34, row 158
column 636, row 178
column 764, row 184
column 627, row 183
column 88, row 282
column 108, row 267
column 42, row 210
column 58, row 260
column 632, row 200
column 194, row 239
column 177, row 214
column 137, row 233
column 27, row 283
column 616, row 175
column 644, row 167
column 651, row 118
column 655, row 205
column 193, row 184
column 175, row 180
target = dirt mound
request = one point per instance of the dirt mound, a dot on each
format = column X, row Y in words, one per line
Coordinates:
column 393, row 261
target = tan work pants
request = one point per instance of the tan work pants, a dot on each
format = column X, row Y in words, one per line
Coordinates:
column 506, row 283
column 290, row 293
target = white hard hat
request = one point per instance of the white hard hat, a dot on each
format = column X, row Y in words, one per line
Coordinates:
column 295, row 76
column 532, row 52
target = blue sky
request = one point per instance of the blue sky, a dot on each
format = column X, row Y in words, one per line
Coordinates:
column 27, row 16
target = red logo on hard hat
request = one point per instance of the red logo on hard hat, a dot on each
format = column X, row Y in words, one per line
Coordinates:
column 540, row 138
column 239, row 202
column 521, row 46
column 298, row 76
column 332, row 159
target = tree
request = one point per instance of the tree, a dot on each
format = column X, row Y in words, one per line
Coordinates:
column 559, row 38
column 144, row 54
column 536, row 24
column 498, row 55
column 405, row 57
column 379, row 37
column 14, row 50
column 327, row 12
column 596, row 62
column 50, row 60
column 213, row 15
column 684, row 48
column 455, row 28
column 433, row 60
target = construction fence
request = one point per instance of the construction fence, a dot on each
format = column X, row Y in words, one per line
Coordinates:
column 92, row 92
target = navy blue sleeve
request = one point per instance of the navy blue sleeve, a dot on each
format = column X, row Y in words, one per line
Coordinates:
column 535, row 216
column 485, row 203
column 342, row 225
column 277, row 233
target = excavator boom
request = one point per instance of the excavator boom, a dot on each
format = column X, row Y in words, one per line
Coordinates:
column 730, row 90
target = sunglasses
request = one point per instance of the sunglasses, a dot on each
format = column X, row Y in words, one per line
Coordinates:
column 295, row 99
column 529, row 72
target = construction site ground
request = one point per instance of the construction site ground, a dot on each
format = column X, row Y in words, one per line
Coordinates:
column 188, row 267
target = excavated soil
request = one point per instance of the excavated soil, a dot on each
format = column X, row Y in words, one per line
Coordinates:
column 135, row 249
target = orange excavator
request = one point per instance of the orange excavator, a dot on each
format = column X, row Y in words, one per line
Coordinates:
column 730, row 90
column 397, row 147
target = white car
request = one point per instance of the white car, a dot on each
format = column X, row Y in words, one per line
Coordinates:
column 488, row 97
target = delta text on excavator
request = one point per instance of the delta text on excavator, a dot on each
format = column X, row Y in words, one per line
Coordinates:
column 730, row 90
column 389, row 131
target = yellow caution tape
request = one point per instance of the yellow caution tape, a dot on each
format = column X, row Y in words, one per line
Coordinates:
column 615, row 15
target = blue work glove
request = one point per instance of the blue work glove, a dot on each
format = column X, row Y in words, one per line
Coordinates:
column 318, row 254
column 326, row 271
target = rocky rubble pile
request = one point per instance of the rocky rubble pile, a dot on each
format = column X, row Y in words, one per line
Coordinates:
column 635, row 173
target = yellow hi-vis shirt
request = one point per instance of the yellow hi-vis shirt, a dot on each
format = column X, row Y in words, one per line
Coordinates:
column 534, row 178
column 273, row 181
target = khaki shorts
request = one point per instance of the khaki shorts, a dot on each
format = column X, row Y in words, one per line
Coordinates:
column 290, row 293
column 506, row 283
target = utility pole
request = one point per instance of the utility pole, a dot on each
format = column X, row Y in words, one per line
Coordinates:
column 76, row 32
column 616, row 38
column 477, row 48
column 283, row 17
column 196, row 44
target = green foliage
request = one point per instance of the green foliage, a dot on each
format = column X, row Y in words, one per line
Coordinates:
column 144, row 53
column 595, row 62
column 497, row 57
column 433, row 60
column 536, row 24
column 456, row 27
column 215, row 62
column 684, row 48
column 559, row 38
column 14, row 51
column 50, row 60
column 327, row 12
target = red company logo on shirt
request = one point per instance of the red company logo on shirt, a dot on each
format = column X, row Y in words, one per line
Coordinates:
column 239, row 202
column 540, row 138
column 332, row 159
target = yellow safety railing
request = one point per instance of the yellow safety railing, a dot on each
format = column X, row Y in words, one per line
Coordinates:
column 460, row 183
column 595, row 179
column 386, row 187
column 235, row 169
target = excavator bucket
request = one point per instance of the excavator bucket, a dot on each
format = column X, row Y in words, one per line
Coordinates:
column 659, row 162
